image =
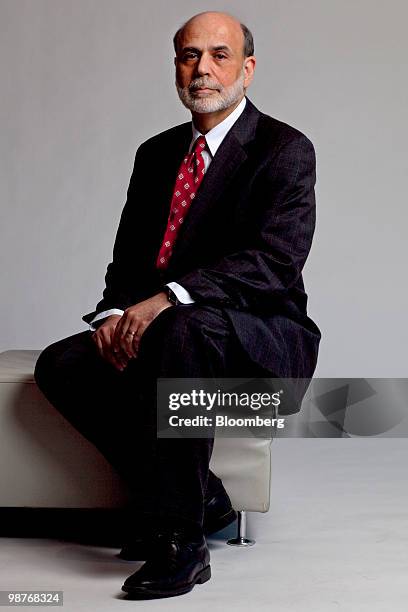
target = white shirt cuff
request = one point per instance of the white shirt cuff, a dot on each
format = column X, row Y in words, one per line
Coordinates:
column 103, row 315
column 181, row 294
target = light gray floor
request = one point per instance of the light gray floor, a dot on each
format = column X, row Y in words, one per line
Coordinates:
column 335, row 538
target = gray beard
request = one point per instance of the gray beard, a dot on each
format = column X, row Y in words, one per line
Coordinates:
column 214, row 102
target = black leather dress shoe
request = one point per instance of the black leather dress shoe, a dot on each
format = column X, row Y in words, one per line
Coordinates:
column 177, row 563
column 218, row 513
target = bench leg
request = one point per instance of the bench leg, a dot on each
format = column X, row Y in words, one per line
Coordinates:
column 241, row 539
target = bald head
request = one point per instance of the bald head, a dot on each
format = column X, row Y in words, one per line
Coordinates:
column 220, row 22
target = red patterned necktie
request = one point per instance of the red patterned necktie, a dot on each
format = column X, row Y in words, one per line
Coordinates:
column 189, row 177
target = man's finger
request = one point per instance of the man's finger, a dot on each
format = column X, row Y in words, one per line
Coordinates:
column 119, row 356
column 97, row 340
column 118, row 363
column 130, row 341
column 101, row 344
column 118, row 360
column 135, row 344
column 116, row 355
column 102, row 338
column 124, row 335
column 116, row 339
column 138, row 336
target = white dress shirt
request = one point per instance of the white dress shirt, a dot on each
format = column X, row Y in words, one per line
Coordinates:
column 213, row 138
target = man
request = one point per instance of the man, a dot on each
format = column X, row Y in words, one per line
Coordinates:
column 205, row 281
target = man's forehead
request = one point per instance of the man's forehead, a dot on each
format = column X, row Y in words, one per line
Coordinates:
column 199, row 32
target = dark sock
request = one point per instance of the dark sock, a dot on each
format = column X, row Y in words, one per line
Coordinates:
column 192, row 531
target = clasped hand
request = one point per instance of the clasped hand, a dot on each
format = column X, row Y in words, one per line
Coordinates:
column 118, row 338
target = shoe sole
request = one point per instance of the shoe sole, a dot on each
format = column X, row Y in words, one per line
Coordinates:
column 143, row 593
column 224, row 520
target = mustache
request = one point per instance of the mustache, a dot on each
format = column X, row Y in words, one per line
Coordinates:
column 204, row 83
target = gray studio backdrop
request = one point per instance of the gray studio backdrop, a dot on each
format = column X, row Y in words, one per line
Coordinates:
column 84, row 82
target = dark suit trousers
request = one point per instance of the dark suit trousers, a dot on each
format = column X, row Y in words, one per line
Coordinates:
column 168, row 478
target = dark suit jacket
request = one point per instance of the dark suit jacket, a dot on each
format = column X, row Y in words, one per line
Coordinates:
column 242, row 245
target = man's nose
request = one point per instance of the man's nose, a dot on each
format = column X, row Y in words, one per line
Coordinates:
column 203, row 65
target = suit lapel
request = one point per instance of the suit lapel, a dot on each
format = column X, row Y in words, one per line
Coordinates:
column 170, row 159
column 228, row 159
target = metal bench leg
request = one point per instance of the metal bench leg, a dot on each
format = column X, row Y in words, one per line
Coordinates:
column 241, row 539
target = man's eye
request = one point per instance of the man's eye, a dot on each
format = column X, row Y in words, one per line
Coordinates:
column 220, row 56
column 189, row 55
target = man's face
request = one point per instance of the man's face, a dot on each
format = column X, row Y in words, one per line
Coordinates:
column 211, row 71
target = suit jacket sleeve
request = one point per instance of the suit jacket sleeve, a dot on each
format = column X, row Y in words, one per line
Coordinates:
column 282, row 211
column 122, row 287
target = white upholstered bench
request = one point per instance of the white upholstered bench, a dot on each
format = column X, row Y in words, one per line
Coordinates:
column 46, row 463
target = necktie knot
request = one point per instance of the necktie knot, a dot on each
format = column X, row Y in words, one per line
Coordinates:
column 199, row 145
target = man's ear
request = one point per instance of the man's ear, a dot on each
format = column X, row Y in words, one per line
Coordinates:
column 249, row 68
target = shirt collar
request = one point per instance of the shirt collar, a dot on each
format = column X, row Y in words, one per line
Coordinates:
column 215, row 136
